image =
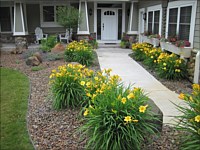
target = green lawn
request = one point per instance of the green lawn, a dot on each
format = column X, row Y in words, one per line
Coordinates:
column 14, row 101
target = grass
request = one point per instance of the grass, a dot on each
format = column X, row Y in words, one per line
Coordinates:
column 14, row 101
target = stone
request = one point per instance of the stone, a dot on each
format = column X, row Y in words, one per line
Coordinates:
column 58, row 48
column 38, row 55
column 32, row 61
column 21, row 45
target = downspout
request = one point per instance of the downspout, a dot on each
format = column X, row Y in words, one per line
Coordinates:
column 197, row 68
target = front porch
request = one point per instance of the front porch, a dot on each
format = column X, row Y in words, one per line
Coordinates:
column 106, row 20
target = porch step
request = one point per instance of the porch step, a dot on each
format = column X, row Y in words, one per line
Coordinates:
column 109, row 45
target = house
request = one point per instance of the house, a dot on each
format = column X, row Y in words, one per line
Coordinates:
column 107, row 19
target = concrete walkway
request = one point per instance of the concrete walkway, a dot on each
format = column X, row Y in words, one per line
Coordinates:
column 132, row 73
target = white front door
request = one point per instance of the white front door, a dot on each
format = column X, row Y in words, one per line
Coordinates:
column 109, row 24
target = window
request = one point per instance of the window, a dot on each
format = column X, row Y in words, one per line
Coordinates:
column 109, row 13
column 6, row 19
column 154, row 19
column 48, row 16
column 180, row 27
column 181, row 20
column 48, row 13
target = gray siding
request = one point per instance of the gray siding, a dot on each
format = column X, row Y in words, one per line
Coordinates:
column 135, row 20
column 197, row 28
column 91, row 18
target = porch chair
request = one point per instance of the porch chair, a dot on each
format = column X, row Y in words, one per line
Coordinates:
column 65, row 36
column 39, row 35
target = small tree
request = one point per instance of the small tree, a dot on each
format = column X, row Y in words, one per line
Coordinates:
column 68, row 16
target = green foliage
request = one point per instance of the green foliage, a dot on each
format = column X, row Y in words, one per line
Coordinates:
column 48, row 44
column 118, row 119
column 68, row 16
column 65, row 86
column 189, row 121
column 79, row 52
column 53, row 56
column 14, row 102
column 37, row 68
column 140, row 50
column 169, row 66
column 151, row 57
column 93, row 42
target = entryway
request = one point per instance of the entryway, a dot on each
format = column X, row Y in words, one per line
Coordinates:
column 109, row 24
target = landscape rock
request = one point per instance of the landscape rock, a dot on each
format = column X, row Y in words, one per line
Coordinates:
column 58, row 48
column 21, row 45
column 38, row 55
column 32, row 61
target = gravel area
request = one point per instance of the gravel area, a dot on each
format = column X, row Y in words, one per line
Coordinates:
column 56, row 130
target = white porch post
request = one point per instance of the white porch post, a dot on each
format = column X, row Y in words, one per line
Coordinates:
column 123, row 17
column 130, row 22
column 20, row 21
column 83, row 27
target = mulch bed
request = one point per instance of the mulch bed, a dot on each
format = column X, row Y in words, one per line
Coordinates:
column 56, row 130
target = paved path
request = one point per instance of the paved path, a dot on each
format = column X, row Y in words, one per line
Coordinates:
column 131, row 72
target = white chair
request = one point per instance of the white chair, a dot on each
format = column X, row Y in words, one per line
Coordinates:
column 39, row 35
column 65, row 36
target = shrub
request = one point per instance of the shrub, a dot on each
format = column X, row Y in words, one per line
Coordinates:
column 53, row 56
column 48, row 44
column 140, row 50
column 119, row 118
column 79, row 52
column 66, row 86
column 171, row 67
column 93, row 42
column 189, row 121
column 152, row 56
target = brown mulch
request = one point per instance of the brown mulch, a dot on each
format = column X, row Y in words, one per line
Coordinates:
column 56, row 130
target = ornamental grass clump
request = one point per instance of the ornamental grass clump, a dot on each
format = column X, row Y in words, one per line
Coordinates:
column 118, row 119
column 79, row 52
column 66, row 86
column 169, row 66
column 140, row 50
column 189, row 121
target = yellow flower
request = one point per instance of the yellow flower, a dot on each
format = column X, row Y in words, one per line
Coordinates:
column 197, row 118
column 164, row 64
column 151, row 56
column 135, row 120
column 142, row 109
column 88, row 84
column 96, row 78
column 123, row 100
column 88, row 95
column 53, row 71
column 52, row 75
column 155, row 61
column 196, row 87
column 182, row 96
column 131, row 95
column 127, row 119
column 86, row 112
column 82, row 83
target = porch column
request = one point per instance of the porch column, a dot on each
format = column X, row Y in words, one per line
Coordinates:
column 20, row 21
column 131, row 20
column 83, row 27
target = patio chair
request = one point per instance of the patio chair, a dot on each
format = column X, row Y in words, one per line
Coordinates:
column 39, row 35
column 64, row 36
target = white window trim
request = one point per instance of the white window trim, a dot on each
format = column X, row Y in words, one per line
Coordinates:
column 11, row 19
column 48, row 24
column 155, row 8
column 179, row 4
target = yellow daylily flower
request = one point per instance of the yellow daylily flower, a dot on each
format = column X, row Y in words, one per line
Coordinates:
column 142, row 109
column 197, row 118
column 123, row 100
column 127, row 119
